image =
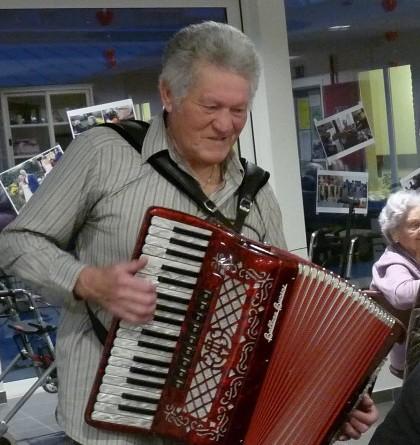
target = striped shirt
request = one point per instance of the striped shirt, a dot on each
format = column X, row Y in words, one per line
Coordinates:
column 88, row 211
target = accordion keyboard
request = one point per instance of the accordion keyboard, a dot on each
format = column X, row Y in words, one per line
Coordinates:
column 141, row 355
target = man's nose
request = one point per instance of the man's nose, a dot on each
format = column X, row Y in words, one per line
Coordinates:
column 223, row 122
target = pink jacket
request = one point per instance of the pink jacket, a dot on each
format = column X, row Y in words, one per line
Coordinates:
column 397, row 275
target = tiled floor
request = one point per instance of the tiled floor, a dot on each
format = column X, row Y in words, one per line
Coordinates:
column 35, row 423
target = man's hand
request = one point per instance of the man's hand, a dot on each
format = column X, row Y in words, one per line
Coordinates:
column 360, row 419
column 119, row 291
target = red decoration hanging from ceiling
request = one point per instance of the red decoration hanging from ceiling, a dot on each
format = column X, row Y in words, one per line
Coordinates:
column 389, row 5
column 104, row 16
column 110, row 57
column 391, row 36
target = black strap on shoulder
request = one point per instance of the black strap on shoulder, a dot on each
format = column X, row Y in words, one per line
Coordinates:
column 133, row 131
column 254, row 179
column 162, row 163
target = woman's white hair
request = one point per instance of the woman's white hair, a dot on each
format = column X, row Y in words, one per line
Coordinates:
column 209, row 42
column 395, row 211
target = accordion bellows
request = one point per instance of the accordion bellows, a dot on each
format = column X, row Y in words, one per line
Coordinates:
column 249, row 344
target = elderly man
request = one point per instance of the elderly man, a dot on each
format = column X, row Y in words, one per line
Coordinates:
column 76, row 236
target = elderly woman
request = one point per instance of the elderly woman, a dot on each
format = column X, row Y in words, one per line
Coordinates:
column 397, row 272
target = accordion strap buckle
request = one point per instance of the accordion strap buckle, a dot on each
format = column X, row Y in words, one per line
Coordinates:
column 210, row 206
column 245, row 205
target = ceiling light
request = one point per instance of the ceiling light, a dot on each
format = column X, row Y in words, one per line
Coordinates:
column 339, row 28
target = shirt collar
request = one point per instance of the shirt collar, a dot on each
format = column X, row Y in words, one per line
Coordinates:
column 157, row 140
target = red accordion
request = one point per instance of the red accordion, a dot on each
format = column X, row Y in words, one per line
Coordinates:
column 249, row 344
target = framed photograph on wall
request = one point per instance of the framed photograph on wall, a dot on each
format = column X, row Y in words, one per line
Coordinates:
column 344, row 132
column 83, row 119
column 22, row 181
column 337, row 190
column 411, row 181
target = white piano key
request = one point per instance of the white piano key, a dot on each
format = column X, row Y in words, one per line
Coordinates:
column 153, row 247
column 155, row 327
column 172, row 306
column 127, row 363
column 122, row 333
column 171, row 224
column 152, row 325
column 129, row 354
column 179, row 294
column 130, row 334
column 191, row 242
column 139, row 350
column 169, row 315
column 113, row 409
column 154, row 269
column 117, row 399
column 138, row 422
column 121, row 382
column 117, row 390
column 125, row 372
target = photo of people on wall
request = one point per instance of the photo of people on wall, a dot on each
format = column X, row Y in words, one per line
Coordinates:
column 344, row 132
column 337, row 190
column 22, row 181
column 411, row 181
column 83, row 119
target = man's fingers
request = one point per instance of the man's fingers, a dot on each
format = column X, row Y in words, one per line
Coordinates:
column 135, row 265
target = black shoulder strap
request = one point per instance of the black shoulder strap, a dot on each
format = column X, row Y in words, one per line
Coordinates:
column 254, row 179
column 162, row 163
column 133, row 131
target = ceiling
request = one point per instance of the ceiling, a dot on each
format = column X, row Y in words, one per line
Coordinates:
column 63, row 46
column 308, row 20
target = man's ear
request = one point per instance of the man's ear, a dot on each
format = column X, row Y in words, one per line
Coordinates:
column 166, row 96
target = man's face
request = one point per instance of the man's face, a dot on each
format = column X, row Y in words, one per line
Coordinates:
column 208, row 120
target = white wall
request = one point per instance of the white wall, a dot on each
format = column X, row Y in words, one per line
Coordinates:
column 273, row 116
column 140, row 86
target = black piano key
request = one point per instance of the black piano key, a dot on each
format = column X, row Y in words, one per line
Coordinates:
column 147, row 372
column 155, row 346
column 191, row 233
column 186, row 256
column 173, row 298
column 187, row 273
column 182, row 243
column 137, row 398
column 175, row 310
column 176, row 282
column 168, row 320
column 145, row 383
column 134, row 409
column 162, row 335
column 149, row 361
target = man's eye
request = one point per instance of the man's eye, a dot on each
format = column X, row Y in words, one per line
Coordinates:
column 239, row 111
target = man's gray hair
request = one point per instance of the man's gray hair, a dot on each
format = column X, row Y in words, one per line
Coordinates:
column 395, row 211
column 215, row 43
